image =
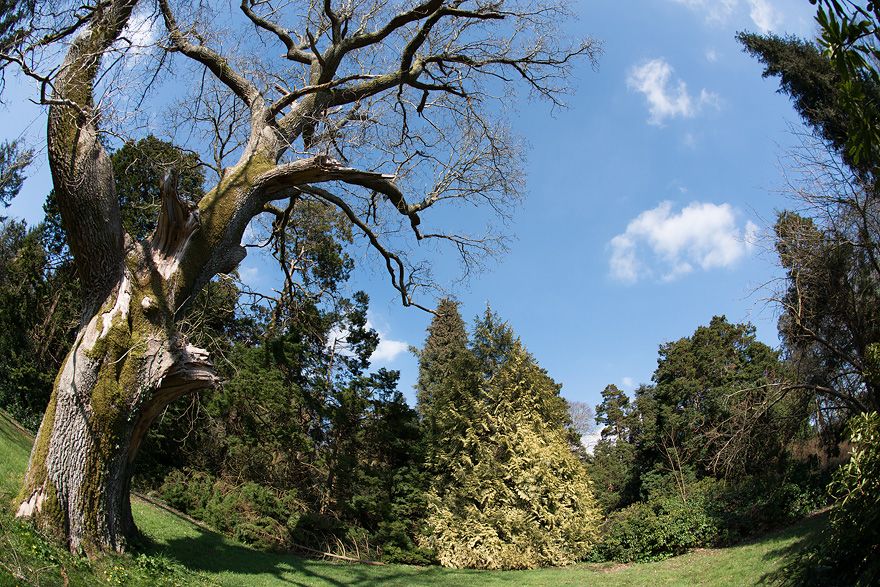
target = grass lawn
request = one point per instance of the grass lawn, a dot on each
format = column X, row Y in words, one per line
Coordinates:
column 182, row 553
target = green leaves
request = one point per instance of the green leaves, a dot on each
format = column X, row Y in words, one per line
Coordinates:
column 849, row 34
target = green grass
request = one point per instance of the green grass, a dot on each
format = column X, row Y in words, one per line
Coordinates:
column 178, row 552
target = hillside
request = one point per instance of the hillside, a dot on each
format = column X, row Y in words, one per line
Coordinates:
column 178, row 552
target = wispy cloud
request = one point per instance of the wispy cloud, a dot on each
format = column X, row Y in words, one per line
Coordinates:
column 628, row 382
column 765, row 16
column 715, row 10
column 660, row 243
column 667, row 97
column 141, row 32
column 763, row 13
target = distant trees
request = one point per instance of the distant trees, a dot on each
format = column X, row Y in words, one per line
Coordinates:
column 511, row 493
column 703, row 454
column 719, row 403
column 13, row 162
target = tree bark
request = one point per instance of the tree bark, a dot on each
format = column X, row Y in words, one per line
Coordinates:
column 127, row 363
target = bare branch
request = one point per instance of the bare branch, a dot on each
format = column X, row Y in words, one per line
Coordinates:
column 218, row 64
column 294, row 52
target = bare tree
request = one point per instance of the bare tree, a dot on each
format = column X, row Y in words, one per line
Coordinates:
column 383, row 110
column 830, row 249
column 583, row 418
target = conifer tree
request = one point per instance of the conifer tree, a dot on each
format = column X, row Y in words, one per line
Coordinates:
column 446, row 382
column 613, row 412
column 515, row 495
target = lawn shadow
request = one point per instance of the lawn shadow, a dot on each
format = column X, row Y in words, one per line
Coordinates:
column 796, row 566
column 210, row 552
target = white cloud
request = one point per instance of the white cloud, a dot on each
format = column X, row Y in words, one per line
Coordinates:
column 142, row 33
column 765, row 16
column 711, row 55
column 388, row 350
column 663, row 244
column 667, row 97
column 628, row 382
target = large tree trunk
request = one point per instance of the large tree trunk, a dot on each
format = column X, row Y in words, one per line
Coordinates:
column 128, row 361
column 126, row 365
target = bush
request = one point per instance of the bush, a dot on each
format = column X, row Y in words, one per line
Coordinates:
column 715, row 513
column 656, row 530
column 753, row 505
column 249, row 512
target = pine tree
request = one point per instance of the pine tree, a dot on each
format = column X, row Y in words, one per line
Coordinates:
column 613, row 412
column 446, row 383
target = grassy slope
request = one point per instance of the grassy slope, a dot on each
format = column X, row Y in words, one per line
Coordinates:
column 181, row 553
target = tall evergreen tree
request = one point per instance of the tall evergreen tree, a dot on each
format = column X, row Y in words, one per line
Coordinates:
column 519, row 497
column 446, row 382
column 613, row 412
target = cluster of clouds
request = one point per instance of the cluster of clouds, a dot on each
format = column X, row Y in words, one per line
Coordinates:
column 763, row 13
column 663, row 244
column 668, row 96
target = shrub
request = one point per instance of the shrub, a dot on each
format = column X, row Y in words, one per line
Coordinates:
column 715, row 513
column 249, row 512
column 656, row 530
column 756, row 504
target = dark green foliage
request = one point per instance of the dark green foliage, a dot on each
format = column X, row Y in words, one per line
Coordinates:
column 13, row 162
column 139, row 168
column 656, row 530
column 298, row 415
column 813, row 83
column 446, row 388
column 248, row 512
column 714, row 513
column 700, row 458
column 38, row 315
column 613, row 472
column 40, row 301
column 718, row 404
column 614, row 413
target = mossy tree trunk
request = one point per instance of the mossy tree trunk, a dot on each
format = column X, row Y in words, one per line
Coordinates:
column 129, row 361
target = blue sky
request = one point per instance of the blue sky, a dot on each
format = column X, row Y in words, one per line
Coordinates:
column 648, row 201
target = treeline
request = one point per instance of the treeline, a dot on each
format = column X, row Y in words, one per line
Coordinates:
column 715, row 449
